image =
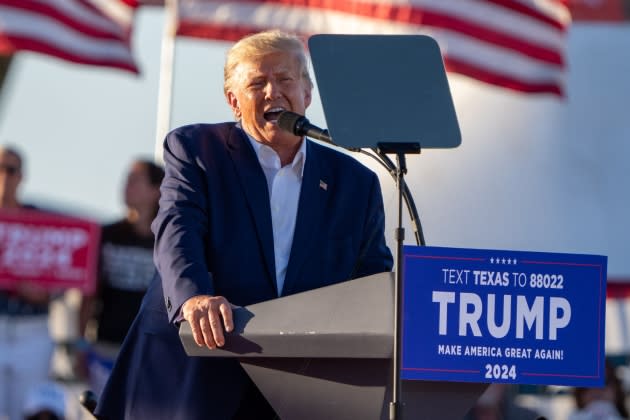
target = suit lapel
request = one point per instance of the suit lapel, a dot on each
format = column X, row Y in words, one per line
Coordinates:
column 253, row 182
column 313, row 197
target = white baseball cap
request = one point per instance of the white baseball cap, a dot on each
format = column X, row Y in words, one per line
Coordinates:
column 45, row 396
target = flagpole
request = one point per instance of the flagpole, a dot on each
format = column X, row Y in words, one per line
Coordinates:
column 165, row 92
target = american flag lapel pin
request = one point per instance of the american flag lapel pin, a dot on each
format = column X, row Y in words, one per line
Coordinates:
column 323, row 185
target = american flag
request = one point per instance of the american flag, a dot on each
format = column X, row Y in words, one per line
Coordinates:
column 600, row 10
column 516, row 44
column 95, row 32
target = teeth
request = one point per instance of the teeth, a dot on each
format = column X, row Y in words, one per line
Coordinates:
column 270, row 114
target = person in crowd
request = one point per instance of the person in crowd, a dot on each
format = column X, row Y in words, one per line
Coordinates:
column 605, row 403
column 248, row 213
column 498, row 403
column 25, row 343
column 125, row 271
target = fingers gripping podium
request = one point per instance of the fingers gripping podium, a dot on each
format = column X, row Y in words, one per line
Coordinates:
column 327, row 353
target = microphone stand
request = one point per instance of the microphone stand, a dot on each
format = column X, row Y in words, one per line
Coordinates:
column 397, row 171
column 416, row 224
column 400, row 150
column 299, row 125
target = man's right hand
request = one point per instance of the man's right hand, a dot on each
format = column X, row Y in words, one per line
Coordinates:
column 207, row 316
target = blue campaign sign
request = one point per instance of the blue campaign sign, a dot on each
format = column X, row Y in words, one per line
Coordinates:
column 472, row 315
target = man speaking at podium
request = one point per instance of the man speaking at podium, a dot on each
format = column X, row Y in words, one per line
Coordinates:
column 248, row 213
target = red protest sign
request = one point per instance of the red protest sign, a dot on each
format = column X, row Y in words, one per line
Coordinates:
column 51, row 250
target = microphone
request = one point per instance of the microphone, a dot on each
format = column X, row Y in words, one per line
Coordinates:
column 301, row 126
column 88, row 400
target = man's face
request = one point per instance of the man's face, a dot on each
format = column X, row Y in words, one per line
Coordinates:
column 139, row 193
column 263, row 87
column 10, row 176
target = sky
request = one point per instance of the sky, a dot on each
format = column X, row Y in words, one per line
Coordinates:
column 534, row 172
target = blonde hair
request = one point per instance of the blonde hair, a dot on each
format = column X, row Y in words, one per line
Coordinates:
column 259, row 45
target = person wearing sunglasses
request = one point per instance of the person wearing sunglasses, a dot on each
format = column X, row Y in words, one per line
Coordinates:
column 25, row 343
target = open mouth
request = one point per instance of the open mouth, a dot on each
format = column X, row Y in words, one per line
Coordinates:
column 272, row 114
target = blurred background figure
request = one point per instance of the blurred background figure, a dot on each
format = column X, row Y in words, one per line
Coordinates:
column 46, row 401
column 25, row 344
column 606, row 403
column 125, row 270
column 497, row 403
column 10, row 177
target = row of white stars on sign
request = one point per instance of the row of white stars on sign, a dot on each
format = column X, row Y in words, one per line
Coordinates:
column 508, row 261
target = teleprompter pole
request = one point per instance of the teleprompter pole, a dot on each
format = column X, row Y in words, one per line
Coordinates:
column 400, row 150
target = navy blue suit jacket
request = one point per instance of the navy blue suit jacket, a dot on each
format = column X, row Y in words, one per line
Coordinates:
column 214, row 236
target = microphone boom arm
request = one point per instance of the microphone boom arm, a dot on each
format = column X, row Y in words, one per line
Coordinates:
column 301, row 126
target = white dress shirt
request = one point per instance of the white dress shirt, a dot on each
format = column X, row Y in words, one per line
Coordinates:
column 284, row 183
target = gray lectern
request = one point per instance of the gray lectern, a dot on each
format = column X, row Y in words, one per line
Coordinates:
column 326, row 354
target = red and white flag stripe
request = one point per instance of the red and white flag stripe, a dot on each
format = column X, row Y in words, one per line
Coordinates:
column 518, row 44
column 95, row 32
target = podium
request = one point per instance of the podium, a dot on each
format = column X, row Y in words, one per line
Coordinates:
column 327, row 353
